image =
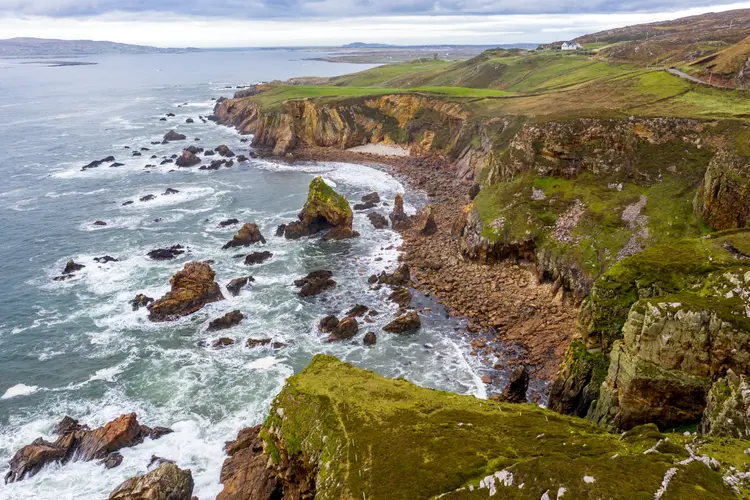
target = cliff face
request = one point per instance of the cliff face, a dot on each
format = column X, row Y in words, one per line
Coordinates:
column 336, row 431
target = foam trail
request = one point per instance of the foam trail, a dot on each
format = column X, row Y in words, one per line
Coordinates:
column 19, row 390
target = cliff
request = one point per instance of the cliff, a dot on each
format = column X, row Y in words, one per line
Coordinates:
column 336, row 431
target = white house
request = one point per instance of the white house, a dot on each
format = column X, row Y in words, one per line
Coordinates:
column 570, row 46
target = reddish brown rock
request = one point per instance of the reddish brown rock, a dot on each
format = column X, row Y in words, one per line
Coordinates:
column 315, row 283
column 247, row 235
column 407, row 323
column 166, row 482
column 192, row 288
column 399, row 219
column 187, row 159
column 244, row 474
column 229, row 320
column 346, row 329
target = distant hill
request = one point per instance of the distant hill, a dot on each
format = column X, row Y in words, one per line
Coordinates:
column 33, row 47
column 362, row 45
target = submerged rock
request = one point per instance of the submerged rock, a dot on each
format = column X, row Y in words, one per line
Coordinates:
column 237, row 284
column 324, row 209
column 166, row 482
column 357, row 310
column 229, row 320
column 407, row 323
column 100, row 223
column 371, row 198
column 192, row 288
column 247, row 235
column 401, row 296
column 257, row 258
column 315, row 283
column 251, row 343
column 222, row 342
column 166, row 253
column 169, row 191
column 228, row 222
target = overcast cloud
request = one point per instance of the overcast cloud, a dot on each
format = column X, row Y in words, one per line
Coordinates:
column 247, row 23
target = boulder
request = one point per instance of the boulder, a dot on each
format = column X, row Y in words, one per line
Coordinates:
column 425, row 222
column 247, row 235
column 71, row 267
column 194, row 149
column 96, row 163
column 229, row 320
column 371, row 198
column 222, row 342
column 77, row 442
column 346, row 329
column 224, row 151
column 170, row 114
column 192, row 288
column 187, row 159
column 166, row 482
column 364, row 206
column 237, row 284
column 377, row 220
column 400, row 277
column 112, row 461
column 370, row 339
column 100, row 223
column 727, row 412
column 208, row 152
column 407, row 323
column 141, row 300
column 173, row 136
column 137, row 153
column 251, row 343
column 228, row 222
column 324, row 209
column 518, row 384
column 166, row 253
column 280, row 230
column 257, row 258
column 328, row 323
column 105, row 259
column 241, row 158
column 170, row 191
column 116, row 164
column 189, row 120
column 315, row 283
column 148, row 197
column 357, row 311
column 399, row 219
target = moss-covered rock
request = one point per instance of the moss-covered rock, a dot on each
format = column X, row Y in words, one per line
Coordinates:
column 728, row 408
column 724, row 199
column 324, row 209
column 336, row 431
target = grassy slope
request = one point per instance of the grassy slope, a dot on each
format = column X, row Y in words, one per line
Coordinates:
column 379, row 438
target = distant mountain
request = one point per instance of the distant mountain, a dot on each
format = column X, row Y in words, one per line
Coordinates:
column 20, row 47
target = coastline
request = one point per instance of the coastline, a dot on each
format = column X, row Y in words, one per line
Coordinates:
column 510, row 314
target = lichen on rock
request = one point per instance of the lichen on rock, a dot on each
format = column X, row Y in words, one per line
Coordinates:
column 324, row 209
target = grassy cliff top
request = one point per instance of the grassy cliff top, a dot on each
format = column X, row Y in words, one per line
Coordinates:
column 377, row 438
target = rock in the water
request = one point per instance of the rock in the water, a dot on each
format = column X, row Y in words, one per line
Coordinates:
column 340, row 233
column 315, row 283
column 515, row 391
column 426, row 221
column 209, row 152
column 377, row 220
column 399, row 219
column 77, row 442
column 364, row 206
column 407, row 323
column 187, row 159
column 112, row 461
column 370, row 339
column 166, row 482
column 189, row 120
column 400, row 277
column 166, row 253
column 173, row 136
column 170, row 191
column 346, row 329
column 247, row 235
column 241, row 158
column 257, row 258
column 141, row 300
column 157, row 461
column 97, row 163
column 237, row 284
column 727, row 412
column 148, row 197
column 222, row 342
column 170, row 114
column 100, row 223
column 105, row 259
column 224, row 150
column 328, row 323
column 358, row 310
column 194, row 149
column 192, row 288
column 371, row 198
column 229, row 320
column 324, row 209
column 71, row 267
column 280, row 230
column 401, row 296
column 228, row 222
column 263, row 342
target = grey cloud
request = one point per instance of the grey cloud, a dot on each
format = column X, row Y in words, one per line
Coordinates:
column 300, row 9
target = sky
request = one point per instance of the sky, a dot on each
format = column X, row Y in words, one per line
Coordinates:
column 263, row 23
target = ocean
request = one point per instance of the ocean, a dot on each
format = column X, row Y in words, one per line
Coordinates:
column 77, row 348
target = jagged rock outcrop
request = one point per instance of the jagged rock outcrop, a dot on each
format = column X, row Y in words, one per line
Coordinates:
column 229, row 320
column 727, row 411
column 237, row 284
column 724, row 199
column 166, row 482
column 399, row 219
column 248, row 234
column 518, row 384
column 78, row 442
column 315, row 283
column 192, row 288
column 187, row 159
column 324, row 209
column 431, row 444
column 407, row 323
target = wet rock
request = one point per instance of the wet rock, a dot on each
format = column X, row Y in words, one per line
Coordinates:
column 189, row 120
column 324, row 209
column 194, row 149
column 157, row 461
column 228, row 222
column 100, row 223
column 257, row 258
column 170, row 191
column 116, row 164
column 346, row 329
column 166, row 253
column 173, row 136
column 229, row 320
column 192, row 288
column 158, row 432
column 328, row 323
column 426, row 221
column 377, row 220
column 237, row 284
column 401, row 296
column 208, row 152
column 247, row 235
column 371, row 198
column 145, row 149
column 187, row 159
column 280, row 230
column 170, row 114
column 214, row 165
column 77, row 442
column 162, row 119
column 251, row 343
column 141, row 300
column 400, row 277
column 224, row 151
column 71, row 267
column 372, row 279
column 364, row 206
column 148, row 197
column 113, row 460
column 399, row 219
column 136, row 153
column 245, row 474
column 96, row 163
column 358, row 310
column 370, row 339
column 105, row 259
column 515, row 391
column 166, row 161
column 241, row 158
column 315, row 283
column 222, row 342
column 166, row 482
column 129, row 202
column 407, row 323
column 340, row 233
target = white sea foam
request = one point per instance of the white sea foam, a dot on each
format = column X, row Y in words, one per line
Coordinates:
column 19, row 390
